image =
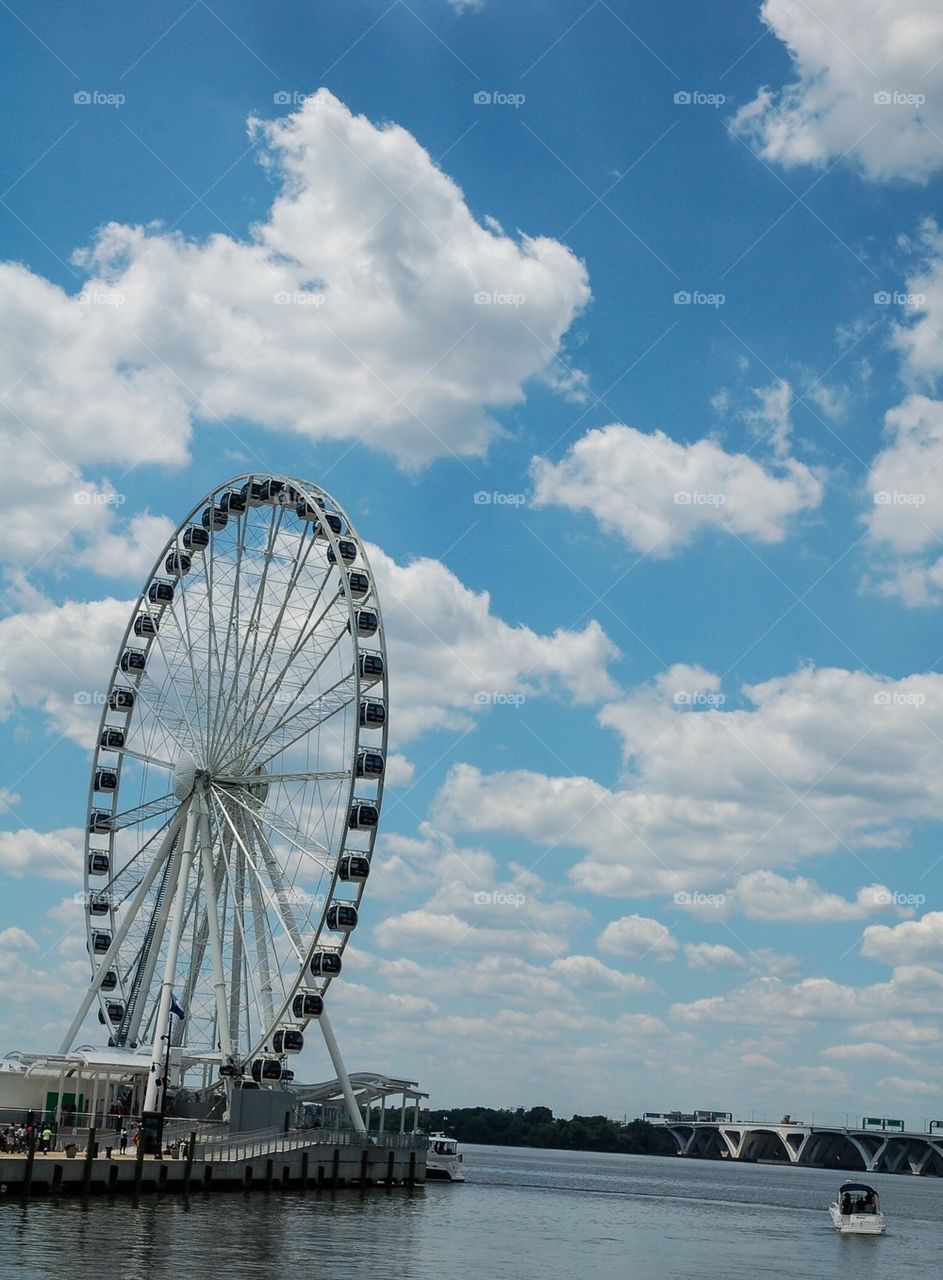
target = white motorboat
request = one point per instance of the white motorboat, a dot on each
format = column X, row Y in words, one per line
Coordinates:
column 443, row 1160
column 857, row 1210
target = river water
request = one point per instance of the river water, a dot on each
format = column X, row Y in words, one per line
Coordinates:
column 522, row 1214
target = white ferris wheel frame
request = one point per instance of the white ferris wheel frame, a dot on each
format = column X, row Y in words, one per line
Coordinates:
column 205, row 818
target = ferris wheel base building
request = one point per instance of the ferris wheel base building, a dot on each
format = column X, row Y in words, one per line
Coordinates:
column 101, row 1088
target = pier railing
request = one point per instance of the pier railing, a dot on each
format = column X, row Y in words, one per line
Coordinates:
column 244, row 1146
column 214, row 1140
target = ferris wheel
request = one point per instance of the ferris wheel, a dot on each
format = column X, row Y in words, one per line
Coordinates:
column 236, row 785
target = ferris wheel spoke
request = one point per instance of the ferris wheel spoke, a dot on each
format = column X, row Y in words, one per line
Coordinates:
column 253, row 779
column 256, row 676
column 179, row 729
column 263, row 816
column 164, row 852
column 232, row 627
column 253, row 996
column 154, row 934
column 282, row 896
column 235, row 903
column 143, row 812
column 170, row 666
column 268, row 694
column 252, row 628
column 213, row 935
column 255, row 613
column 261, row 931
column 144, row 757
column 190, row 958
column 281, row 909
column 137, row 860
column 212, row 648
column 312, row 715
column 191, row 644
column 309, row 812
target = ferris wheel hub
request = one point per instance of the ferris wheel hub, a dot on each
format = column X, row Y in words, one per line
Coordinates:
column 185, row 773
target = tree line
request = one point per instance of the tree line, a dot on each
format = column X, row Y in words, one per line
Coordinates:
column 538, row 1127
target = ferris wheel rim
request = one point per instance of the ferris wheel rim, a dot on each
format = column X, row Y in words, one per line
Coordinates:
column 240, row 785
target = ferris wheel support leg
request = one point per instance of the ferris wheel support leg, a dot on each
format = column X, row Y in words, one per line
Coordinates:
column 118, row 939
column 212, row 924
column 353, row 1111
column 170, row 967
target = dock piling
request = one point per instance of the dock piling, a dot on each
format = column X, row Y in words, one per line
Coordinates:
column 89, row 1157
column 191, row 1151
column 139, row 1164
column 30, row 1157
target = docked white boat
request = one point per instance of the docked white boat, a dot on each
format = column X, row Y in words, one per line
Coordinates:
column 443, row 1159
column 857, row 1210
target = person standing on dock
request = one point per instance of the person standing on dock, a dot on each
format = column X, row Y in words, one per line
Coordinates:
column 123, row 1140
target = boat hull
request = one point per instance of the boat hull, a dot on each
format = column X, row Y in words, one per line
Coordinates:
column 857, row 1224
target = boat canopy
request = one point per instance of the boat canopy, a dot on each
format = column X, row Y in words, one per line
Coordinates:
column 851, row 1187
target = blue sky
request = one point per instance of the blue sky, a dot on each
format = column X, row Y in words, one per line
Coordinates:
column 703, row 593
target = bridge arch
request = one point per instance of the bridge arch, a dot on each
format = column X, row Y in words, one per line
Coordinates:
column 834, row 1150
column 765, row 1144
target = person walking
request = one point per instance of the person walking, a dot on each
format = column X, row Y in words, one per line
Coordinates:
column 123, row 1140
column 45, row 1140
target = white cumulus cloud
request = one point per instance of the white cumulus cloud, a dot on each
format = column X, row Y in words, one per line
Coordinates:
column 816, row 761
column 638, row 936
column 905, row 487
column 710, row 955
column 764, row 895
column 906, row 943
column 868, row 87
column 659, row 495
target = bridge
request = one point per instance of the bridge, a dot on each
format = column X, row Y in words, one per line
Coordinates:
column 863, row 1149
